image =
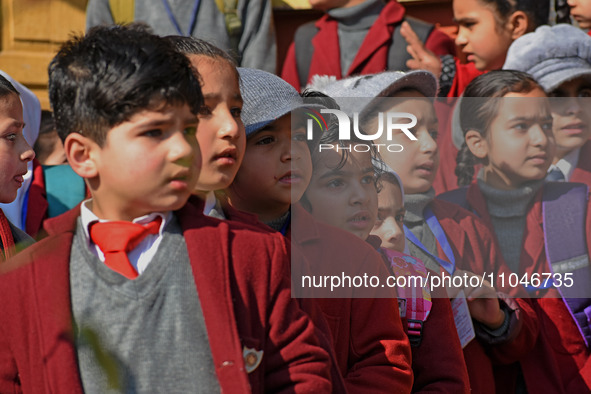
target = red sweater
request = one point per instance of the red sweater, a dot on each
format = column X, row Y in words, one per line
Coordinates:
column 373, row 353
column 560, row 356
column 37, row 353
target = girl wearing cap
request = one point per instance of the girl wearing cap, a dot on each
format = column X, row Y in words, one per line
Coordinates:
column 274, row 174
column 559, row 59
column 512, row 138
column 446, row 237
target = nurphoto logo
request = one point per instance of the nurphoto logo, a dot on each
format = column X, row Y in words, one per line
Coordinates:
column 388, row 122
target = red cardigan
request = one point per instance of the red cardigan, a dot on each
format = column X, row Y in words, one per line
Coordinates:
column 37, row 206
column 373, row 53
column 582, row 172
column 560, row 355
column 373, row 353
column 241, row 307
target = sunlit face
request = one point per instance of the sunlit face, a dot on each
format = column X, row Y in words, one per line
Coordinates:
column 220, row 132
column 570, row 112
column 519, row 144
column 480, row 37
column 389, row 226
column 580, row 10
column 418, row 162
column 344, row 196
column 275, row 171
column 147, row 164
column 15, row 152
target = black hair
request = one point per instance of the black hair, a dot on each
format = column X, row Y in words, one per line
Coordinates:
column 6, row 87
column 478, row 114
column 102, row 79
column 537, row 11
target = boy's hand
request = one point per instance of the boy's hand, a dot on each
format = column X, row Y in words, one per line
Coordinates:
column 483, row 303
column 422, row 58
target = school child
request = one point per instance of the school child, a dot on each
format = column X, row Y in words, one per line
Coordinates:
column 169, row 313
column 220, row 132
column 355, row 37
column 15, row 154
column 463, row 242
column 343, row 193
column 514, row 141
column 580, row 10
column 273, row 176
column 559, row 59
column 486, row 29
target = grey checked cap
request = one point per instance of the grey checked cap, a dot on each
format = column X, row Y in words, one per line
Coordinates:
column 266, row 98
column 367, row 87
column 552, row 55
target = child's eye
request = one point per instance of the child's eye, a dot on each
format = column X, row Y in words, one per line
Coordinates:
column 521, row 126
column 299, row 137
column 10, row 137
column 369, row 179
column 400, row 218
column 236, row 112
column 584, row 93
column 153, row 133
column 204, row 110
column 265, row 140
column 434, row 134
column 547, row 126
column 334, row 183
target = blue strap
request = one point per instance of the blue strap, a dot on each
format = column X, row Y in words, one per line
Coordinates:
column 285, row 226
column 176, row 23
column 435, row 227
column 25, row 209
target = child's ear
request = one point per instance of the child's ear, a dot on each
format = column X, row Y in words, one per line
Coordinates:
column 80, row 153
column 519, row 24
column 477, row 144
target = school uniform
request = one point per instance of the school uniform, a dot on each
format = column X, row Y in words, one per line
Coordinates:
column 582, row 171
column 245, row 311
column 372, row 56
column 560, row 355
column 474, row 249
column 372, row 355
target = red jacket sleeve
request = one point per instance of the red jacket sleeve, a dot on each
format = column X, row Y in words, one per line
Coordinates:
column 296, row 362
column 440, row 346
column 290, row 69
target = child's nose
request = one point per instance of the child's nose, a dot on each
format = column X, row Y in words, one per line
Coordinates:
column 461, row 38
column 393, row 232
column 182, row 150
column 27, row 153
column 573, row 105
column 359, row 193
column 230, row 127
column 428, row 144
column 537, row 136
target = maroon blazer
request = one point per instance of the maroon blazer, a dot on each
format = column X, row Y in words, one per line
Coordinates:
column 37, row 206
column 372, row 56
column 241, row 306
column 582, row 172
column 372, row 350
column 560, row 356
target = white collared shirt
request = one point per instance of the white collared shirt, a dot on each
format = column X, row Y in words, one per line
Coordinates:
column 567, row 164
column 210, row 202
column 139, row 257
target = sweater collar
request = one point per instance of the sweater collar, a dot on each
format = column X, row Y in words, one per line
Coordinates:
column 359, row 17
column 415, row 204
column 509, row 203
